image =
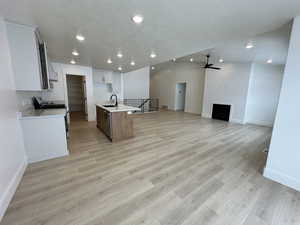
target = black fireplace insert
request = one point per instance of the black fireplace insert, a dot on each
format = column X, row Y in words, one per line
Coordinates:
column 221, row 112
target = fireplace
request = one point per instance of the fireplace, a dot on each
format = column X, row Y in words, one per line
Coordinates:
column 221, row 112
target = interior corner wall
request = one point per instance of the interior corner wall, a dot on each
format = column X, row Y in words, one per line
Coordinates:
column 59, row 92
column 13, row 160
column 263, row 94
column 283, row 158
column 136, row 84
column 163, row 85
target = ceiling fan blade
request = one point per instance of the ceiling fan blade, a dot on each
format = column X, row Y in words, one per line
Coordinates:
column 213, row 68
column 209, row 65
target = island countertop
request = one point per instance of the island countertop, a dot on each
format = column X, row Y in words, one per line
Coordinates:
column 119, row 108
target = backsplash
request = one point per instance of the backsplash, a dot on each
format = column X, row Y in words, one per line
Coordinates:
column 25, row 99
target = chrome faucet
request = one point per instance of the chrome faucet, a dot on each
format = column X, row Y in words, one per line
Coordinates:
column 116, row 102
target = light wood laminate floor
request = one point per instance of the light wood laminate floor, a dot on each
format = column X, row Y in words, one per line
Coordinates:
column 179, row 169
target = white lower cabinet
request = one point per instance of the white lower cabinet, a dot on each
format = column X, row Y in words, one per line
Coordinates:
column 44, row 138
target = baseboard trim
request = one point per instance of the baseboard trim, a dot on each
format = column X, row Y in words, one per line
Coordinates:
column 11, row 189
column 261, row 123
column 232, row 120
column 282, row 178
column 206, row 115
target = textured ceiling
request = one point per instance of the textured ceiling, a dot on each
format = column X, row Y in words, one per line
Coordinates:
column 170, row 29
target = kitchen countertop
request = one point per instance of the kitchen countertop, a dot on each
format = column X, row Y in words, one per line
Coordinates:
column 42, row 113
column 119, row 108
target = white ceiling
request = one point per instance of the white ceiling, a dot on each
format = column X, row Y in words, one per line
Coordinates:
column 171, row 28
column 271, row 45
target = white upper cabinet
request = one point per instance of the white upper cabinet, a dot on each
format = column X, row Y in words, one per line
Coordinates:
column 102, row 76
column 98, row 77
column 108, row 77
column 25, row 57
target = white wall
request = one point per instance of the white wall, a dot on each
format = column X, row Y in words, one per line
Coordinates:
column 163, row 85
column 103, row 91
column 227, row 86
column 96, row 93
column 59, row 91
column 263, row 94
column 283, row 160
column 25, row 99
column 13, row 160
column 136, row 84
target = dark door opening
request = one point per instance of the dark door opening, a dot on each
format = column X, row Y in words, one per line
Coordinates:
column 77, row 97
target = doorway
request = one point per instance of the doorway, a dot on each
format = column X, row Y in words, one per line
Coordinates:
column 180, row 96
column 77, row 100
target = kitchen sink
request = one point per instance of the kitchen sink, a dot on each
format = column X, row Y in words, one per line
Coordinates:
column 109, row 106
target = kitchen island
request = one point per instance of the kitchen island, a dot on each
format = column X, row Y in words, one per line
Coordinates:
column 116, row 122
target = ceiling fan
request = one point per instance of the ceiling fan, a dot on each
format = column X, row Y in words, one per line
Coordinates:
column 210, row 65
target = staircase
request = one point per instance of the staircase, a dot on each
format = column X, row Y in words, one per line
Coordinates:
column 146, row 105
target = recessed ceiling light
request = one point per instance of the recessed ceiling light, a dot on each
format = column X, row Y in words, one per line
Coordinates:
column 79, row 37
column 221, row 60
column 138, row 19
column 152, row 68
column 269, row 61
column 249, row 45
column 132, row 63
column 120, row 68
column 191, row 60
column 109, row 61
column 75, row 53
column 72, row 61
column 152, row 55
column 120, row 55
